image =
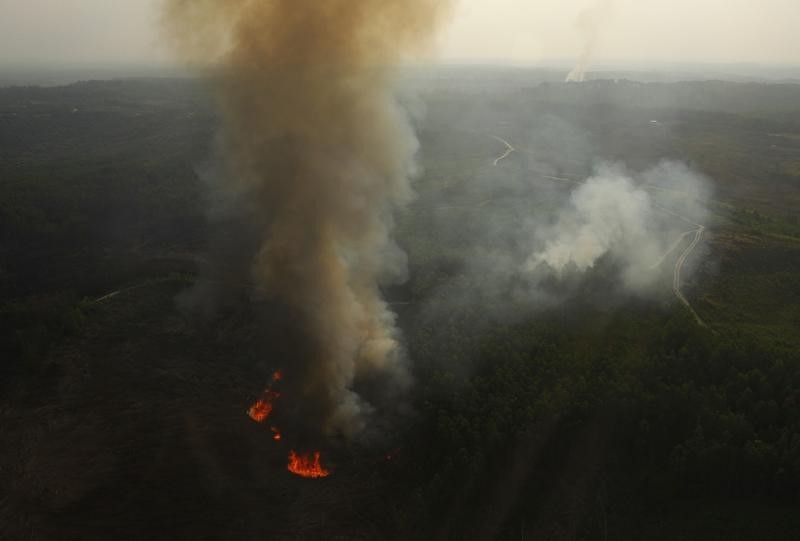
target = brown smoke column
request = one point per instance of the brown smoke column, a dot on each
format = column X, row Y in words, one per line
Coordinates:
column 314, row 138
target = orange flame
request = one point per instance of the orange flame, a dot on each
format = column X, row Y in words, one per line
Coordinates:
column 307, row 465
column 263, row 407
column 260, row 411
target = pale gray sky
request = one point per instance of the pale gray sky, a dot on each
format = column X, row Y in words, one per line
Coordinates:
column 526, row 31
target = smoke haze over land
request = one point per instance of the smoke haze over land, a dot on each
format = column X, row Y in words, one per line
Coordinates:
column 97, row 31
column 538, row 238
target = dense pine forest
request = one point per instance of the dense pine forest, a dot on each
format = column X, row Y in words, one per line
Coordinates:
column 606, row 415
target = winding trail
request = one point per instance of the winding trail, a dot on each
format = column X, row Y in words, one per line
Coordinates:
column 509, row 149
column 479, row 206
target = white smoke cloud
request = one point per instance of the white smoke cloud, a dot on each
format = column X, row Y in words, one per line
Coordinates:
column 608, row 214
column 542, row 236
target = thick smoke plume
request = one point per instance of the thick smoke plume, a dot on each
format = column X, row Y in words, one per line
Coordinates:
column 317, row 147
column 589, row 23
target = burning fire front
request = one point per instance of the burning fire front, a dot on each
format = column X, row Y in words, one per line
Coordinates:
column 306, row 465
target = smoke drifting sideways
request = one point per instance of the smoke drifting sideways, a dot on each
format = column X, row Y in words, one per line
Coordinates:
column 613, row 215
column 318, row 155
column 589, row 23
column 540, row 240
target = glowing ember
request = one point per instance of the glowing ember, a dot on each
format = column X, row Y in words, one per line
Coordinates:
column 263, row 406
column 307, row 465
column 276, row 434
column 260, row 411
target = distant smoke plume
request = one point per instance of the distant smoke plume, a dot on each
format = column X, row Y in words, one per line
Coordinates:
column 318, row 149
column 590, row 22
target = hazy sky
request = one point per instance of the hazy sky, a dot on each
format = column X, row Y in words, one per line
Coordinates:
column 528, row 31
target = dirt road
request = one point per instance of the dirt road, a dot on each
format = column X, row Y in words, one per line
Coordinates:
column 676, row 282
